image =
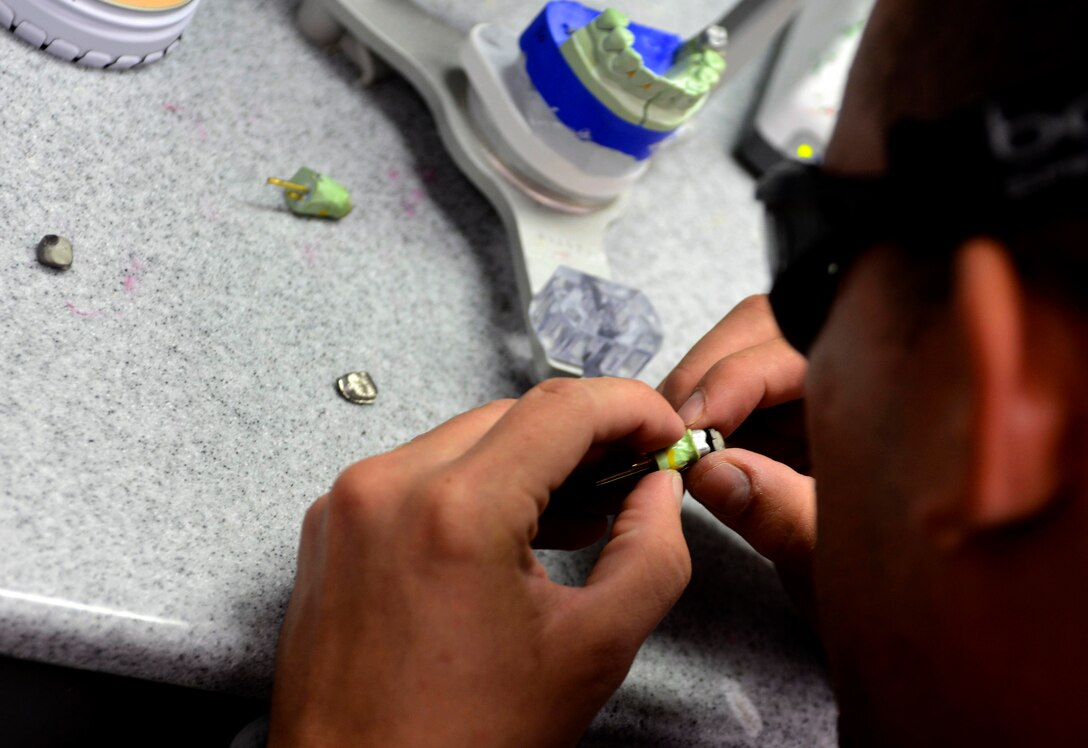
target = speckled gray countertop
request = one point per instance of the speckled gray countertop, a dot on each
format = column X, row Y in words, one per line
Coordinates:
column 167, row 409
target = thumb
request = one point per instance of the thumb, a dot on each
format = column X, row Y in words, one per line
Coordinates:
column 767, row 503
column 645, row 565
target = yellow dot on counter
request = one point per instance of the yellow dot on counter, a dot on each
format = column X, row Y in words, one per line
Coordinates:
column 805, row 151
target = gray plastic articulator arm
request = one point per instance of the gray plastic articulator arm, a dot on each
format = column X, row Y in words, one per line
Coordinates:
column 544, row 232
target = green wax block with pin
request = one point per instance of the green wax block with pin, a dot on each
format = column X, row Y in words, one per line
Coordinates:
column 601, row 487
column 680, row 455
column 309, row 193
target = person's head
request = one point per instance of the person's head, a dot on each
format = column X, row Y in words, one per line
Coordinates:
column 948, row 416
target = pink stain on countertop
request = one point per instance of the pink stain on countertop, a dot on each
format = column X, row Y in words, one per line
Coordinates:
column 133, row 275
column 76, row 312
column 409, row 204
column 130, row 283
column 414, row 196
column 197, row 120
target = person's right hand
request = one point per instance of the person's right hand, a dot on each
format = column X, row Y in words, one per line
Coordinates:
column 745, row 380
column 420, row 615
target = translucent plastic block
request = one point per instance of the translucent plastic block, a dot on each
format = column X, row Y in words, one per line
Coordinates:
column 606, row 328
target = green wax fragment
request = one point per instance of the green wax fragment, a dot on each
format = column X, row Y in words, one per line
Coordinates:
column 326, row 197
column 679, row 455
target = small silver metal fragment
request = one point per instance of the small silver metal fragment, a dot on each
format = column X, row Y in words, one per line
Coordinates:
column 714, row 37
column 55, row 252
column 357, row 387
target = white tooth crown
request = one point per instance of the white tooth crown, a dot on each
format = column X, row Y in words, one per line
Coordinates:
column 117, row 34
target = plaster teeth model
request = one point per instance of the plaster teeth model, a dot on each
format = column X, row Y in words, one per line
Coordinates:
column 608, row 46
column 619, row 84
column 117, row 34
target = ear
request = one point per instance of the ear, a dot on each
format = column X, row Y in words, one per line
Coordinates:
column 1017, row 418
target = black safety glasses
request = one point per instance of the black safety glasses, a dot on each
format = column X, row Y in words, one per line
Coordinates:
column 988, row 170
column 816, row 225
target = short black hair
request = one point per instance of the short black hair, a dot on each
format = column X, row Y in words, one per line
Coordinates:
column 932, row 57
column 925, row 59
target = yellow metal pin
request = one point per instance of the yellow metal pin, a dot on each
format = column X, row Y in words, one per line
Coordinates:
column 294, row 187
column 313, row 194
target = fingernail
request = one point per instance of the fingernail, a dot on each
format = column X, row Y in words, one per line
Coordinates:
column 693, row 408
column 677, row 487
column 731, row 488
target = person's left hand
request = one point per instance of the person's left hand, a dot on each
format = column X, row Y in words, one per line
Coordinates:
column 420, row 615
column 745, row 380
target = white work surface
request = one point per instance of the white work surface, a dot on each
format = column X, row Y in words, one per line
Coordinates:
column 167, row 406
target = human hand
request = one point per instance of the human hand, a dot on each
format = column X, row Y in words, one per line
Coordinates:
column 420, row 616
column 745, row 380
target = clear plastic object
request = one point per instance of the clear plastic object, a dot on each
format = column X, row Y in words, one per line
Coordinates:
column 605, row 327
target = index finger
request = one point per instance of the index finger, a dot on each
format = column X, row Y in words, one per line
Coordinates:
column 764, row 375
column 749, row 323
column 545, row 435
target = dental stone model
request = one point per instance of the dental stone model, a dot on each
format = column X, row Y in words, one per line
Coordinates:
column 619, row 84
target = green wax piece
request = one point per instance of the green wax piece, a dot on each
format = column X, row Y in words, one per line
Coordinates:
column 679, row 455
column 326, row 198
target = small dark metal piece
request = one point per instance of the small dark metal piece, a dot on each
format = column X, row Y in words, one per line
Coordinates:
column 714, row 37
column 55, row 252
column 357, row 387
